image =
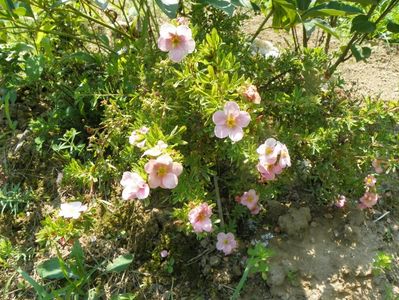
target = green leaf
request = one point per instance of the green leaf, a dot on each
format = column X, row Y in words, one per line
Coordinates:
column 77, row 252
column 393, row 27
column 120, row 263
column 168, row 7
column 224, row 5
column 242, row 3
column 41, row 292
column 34, row 67
column 324, row 25
column 362, row 24
column 20, row 11
column 360, row 53
column 50, row 269
column 332, row 8
column 364, row 2
column 303, row 4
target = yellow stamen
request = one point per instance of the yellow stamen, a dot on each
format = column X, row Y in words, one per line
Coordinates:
column 231, row 121
column 162, row 171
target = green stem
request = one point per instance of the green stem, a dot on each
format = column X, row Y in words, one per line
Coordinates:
column 241, row 284
column 260, row 28
column 218, row 201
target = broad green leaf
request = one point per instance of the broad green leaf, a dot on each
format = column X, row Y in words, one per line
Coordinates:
column 332, row 8
column 41, row 292
column 224, row 5
column 364, row 2
column 243, row 3
column 50, row 269
column 34, row 66
column 393, row 27
column 169, row 7
column 322, row 24
column 360, row 53
column 362, row 24
column 303, row 4
column 120, row 263
column 20, row 11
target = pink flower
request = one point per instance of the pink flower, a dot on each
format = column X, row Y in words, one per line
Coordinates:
column 199, row 218
column 134, row 186
column 251, row 94
column 164, row 253
column 285, row 160
column 144, row 130
column 230, row 122
column 72, row 210
column 177, row 41
column 269, row 151
column 370, row 181
column 377, row 166
column 255, row 210
column 226, row 242
column 133, row 137
column 368, row 200
column 163, row 172
column 266, row 171
column 182, row 21
column 250, row 199
column 340, row 203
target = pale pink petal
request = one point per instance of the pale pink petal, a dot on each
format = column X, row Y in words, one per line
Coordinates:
column 126, row 178
column 231, row 107
column 154, row 181
column 219, row 118
column 177, row 168
column 149, row 167
column 243, row 119
column 207, row 225
column 164, row 44
column 236, row 134
column 129, row 193
column 167, row 29
column 185, row 31
column 143, row 192
column 221, row 131
column 261, row 149
column 189, row 46
column 177, row 54
column 169, row 181
column 164, row 159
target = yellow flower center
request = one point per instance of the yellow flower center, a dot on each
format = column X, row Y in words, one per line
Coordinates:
column 231, row 121
column 226, row 242
column 269, row 150
column 162, row 171
column 250, row 199
column 175, row 40
column 201, row 217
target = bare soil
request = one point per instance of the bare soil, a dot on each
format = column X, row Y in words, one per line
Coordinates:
column 377, row 77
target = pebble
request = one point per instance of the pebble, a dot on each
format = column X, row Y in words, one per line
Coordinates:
column 214, row 260
column 328, row 216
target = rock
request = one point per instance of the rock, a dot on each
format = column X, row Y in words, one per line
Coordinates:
column 276, row 275
column 214, row 260
column 274, row 210
column 295, row 221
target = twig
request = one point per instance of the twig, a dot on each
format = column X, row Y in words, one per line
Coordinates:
column 195, row 258
column 383, row 215
column 219, row 202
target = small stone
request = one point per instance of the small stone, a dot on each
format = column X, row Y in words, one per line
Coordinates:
column 328, row 216
column 313, row 224
column 214, row 260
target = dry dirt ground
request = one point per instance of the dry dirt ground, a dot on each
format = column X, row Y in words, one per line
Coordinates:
column 377, row 77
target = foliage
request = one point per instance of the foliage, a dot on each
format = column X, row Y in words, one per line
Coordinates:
column 13, row 199
column 382, row 263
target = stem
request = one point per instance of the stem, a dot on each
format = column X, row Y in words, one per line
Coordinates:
column 304, row 37
column 260, row 28
column 295, row 38
column 241, row 284
column 333, row 23
column 218, row 201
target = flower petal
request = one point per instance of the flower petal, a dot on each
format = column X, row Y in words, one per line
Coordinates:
column 243, row 119
column 219, row 118
column 177, row 54
column 236, row 134
column 221, row 131
column 154, row 181
column 169, row 181
column 231, row 107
